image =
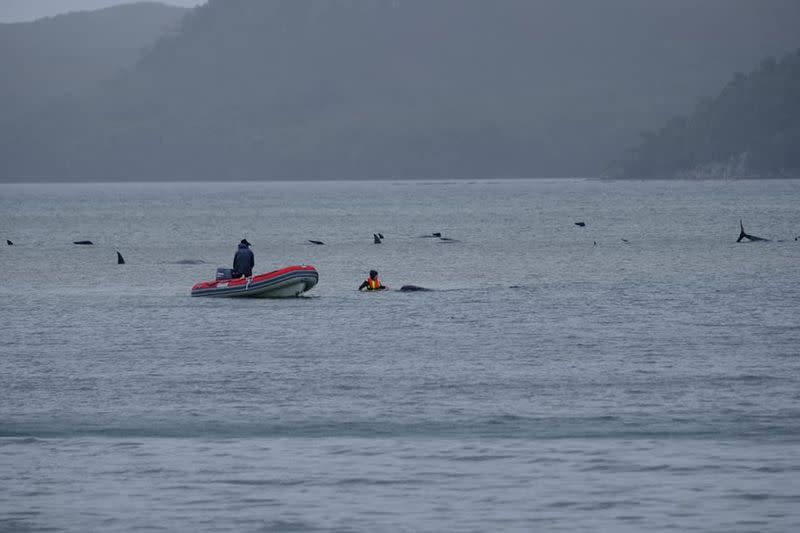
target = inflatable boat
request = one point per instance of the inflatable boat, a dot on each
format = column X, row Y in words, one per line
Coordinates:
column 288, row 282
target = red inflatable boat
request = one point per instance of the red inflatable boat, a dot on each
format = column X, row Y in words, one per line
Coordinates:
column 288, row 282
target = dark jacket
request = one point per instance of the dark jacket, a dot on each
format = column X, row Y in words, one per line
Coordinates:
column 243, row 261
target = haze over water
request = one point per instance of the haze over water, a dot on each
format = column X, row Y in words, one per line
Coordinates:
column 549, row 383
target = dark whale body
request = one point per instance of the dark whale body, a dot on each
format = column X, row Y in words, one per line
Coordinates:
column 414, row 288
column 120, row 260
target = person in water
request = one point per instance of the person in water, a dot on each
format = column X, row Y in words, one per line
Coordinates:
column 243, row 261
column 373, row 283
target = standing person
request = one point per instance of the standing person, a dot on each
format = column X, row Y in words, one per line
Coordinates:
column 373, row 283
column 243, row 261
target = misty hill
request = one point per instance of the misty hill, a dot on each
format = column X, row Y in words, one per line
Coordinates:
column 751, row 129
column 69, row 54
column 399, row 88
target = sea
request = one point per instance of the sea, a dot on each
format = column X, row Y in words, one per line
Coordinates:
column 639, row 373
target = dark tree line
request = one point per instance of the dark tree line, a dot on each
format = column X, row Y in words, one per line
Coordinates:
column 751, row 129
column 264, row 89
column 69, row 55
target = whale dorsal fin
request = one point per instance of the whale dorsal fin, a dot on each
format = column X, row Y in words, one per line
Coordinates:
column 742, row 234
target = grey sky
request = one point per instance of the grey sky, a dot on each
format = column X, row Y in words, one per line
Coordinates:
column 24, row 10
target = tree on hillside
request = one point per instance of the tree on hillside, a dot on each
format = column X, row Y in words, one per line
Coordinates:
column 751, row 129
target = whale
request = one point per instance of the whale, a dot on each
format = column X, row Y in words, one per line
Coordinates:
column 83, row 243
column 438, row 235
column 581, row 224
column 120, row 260
column 751, row 238
column 414, row 288
column 9, row 243
column 319, row 243
column 376, row 239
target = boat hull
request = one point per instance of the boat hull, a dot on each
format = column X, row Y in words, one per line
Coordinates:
column 289, row 282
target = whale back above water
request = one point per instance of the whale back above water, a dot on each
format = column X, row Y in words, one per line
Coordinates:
column 414, row 288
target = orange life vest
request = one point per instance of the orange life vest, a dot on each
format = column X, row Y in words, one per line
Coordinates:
column 374, row 284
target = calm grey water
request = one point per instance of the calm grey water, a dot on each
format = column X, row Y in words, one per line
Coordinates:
column 548, row 384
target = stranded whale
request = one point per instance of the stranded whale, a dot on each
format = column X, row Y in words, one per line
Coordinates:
column 414, row 288
column 751, row 238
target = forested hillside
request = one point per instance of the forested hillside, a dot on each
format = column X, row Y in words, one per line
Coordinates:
column 750, row 130
column 251, row 89
column 70, row 54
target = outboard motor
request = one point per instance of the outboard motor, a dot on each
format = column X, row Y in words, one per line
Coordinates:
column 224, row 273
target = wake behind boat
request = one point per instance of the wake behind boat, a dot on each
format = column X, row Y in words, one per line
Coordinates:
column 289, row 282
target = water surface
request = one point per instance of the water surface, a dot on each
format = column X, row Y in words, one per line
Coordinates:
column 549, row 383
